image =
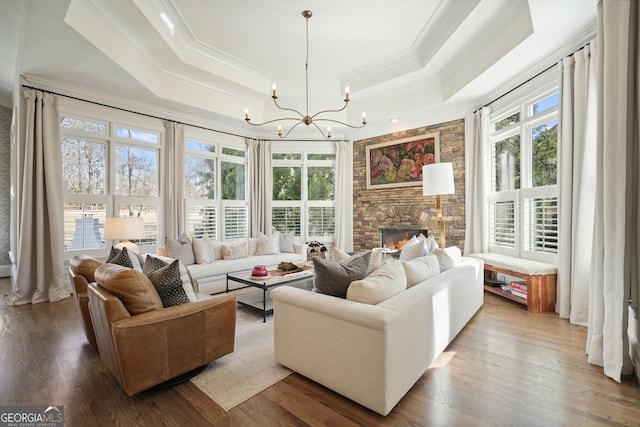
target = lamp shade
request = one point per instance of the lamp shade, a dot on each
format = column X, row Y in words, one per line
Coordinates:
column 123, row 228
column 437, row 178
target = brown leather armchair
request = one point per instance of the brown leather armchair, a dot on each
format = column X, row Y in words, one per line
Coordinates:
column 81, row 273
column 144, row 344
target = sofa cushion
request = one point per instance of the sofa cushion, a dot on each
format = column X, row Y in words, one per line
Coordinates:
column 268, row 245
column 384, row 283
column 203, row 250
column 181, row 249
column 448, row 257
column 333, row 277
column 235, row 250
column 152, row 263
column 286, row 242
column 420, row 269
column 126, row 259
column 134, row 289
column 168, row 284
column 432, row 244
column 85, row 265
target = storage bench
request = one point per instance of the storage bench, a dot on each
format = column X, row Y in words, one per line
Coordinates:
column 540, row 278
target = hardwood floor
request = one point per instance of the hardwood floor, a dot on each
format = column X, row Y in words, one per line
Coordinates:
column 507, row 367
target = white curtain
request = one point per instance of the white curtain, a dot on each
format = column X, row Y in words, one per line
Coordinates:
column 607, row 343
column 174, row 215
column 40, row 258
column 477, row 232
column 260, row 187
column 576, row 181
column 343, row 193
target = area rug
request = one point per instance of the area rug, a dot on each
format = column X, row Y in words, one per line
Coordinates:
column 250, row 369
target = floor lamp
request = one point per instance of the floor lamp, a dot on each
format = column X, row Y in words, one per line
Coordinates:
column 124, row 228
column 437, row 179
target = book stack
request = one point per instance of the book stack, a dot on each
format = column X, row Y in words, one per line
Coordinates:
column 518, row 288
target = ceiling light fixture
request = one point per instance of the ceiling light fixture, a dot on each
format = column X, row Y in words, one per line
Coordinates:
column 306, row 118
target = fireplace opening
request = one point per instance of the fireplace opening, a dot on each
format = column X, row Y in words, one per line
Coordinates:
column 396, row 238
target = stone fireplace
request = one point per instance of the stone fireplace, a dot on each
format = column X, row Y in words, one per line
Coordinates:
column 397, row 236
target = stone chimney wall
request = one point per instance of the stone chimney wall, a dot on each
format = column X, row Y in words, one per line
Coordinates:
column 379, row 208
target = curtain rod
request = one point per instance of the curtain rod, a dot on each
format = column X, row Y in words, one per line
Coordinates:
column 530, row 78
column 161, row 118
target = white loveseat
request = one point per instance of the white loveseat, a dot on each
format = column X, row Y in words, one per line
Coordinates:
column 212, row 275
column 373, row 354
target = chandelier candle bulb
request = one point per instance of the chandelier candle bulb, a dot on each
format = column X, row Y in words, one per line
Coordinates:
column 246, row 114
column 273, row 87
column 346, row 94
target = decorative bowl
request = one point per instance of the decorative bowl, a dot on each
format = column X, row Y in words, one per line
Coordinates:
column 259, row 271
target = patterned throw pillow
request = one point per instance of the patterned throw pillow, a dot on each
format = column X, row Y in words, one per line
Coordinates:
column 235, row 250
column 124, row 258
column 168, row 283
column 333, row 277
column 152, row 264
column 181, row 249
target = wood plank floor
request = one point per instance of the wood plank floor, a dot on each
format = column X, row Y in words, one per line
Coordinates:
column 508, row 367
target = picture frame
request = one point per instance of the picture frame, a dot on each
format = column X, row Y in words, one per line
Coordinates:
column 398, row 163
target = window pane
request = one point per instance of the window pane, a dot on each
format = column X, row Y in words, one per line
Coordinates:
column 150, row 215
column 287, row 183
column 200, row 146
column 232, row 181
column 541, row 224
column 286, row 219
column 235, row 222
column 286, row 156
column 202, row 221
column 321, row 157
column 321, row 183
column 507, row 164
column 84, row 226
column 502, row 227
column 83, row 166
column 545, row 104
column 507, row 121
column 83, row 125
column 136, row 172
column 545, row 154
column 137, row 135
column 232, row 152
column 200, row 178
column 322, row 221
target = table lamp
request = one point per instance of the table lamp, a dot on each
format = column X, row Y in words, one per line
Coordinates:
column 124, row 228
column 437, row 179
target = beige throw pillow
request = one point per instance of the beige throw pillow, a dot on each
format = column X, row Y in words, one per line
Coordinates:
column 420, row 269
column 235, row 250
column 203, row 250
column 268, row 245
column 384, row 283
column 181, row 249
column 448, row 257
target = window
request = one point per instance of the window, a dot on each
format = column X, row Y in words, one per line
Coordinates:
column 109, row 168
column 215, row 186
column 303, row 198
column 523, row 199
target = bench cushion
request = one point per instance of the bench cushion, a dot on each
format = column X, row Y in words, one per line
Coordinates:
column 524, row 266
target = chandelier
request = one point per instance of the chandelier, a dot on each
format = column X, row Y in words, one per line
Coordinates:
column 306, row 118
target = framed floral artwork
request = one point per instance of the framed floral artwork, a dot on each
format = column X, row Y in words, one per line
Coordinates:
column 399, row 163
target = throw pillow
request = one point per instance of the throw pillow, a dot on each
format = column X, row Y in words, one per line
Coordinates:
column 413, row 250
column 168, row 284
column 384, row 283
column 339, row 254
column 268, row 245
column 333, row 277
column 235, row 250
column 420, row 269
column 432, row 244
column 448, row 257
column 181, row 249
column 286, row 242
column 134, row 288
column 376, row 260
column 125, row 259
column 152, row 264
column 203, row 250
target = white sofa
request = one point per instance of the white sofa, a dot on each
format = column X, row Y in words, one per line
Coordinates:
column 212, row 276
column 373, row 354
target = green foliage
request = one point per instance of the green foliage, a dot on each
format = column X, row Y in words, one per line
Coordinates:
column 545, row 156
column 287, row 183
column 233, row 181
